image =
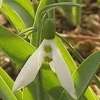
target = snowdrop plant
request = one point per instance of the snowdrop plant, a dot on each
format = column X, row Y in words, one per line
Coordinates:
column 46, row 52
column 51, row 51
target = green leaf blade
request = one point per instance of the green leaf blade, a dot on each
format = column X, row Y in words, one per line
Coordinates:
column 13, row 17
column 86, row 72
column 10, row 82
column 15, row 47
column 21, row 11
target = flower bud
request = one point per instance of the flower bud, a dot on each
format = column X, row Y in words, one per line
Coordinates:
column 49, row 29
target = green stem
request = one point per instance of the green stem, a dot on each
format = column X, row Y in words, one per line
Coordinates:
column 31, row 29
column 36, row 43
column 38, row 78
column 55, row 5
column 38, row 86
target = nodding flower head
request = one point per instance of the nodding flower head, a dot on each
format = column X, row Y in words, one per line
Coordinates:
column 48, row 52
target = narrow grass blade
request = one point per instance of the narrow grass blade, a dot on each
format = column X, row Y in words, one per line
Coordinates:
column 86, row 72
column 5, row 91
column 20, row 9
column 9, row 83
column 13, row 17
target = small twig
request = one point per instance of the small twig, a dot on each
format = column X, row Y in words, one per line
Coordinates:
column 81, row 37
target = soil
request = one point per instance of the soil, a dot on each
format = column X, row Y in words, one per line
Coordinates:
column 85, row 38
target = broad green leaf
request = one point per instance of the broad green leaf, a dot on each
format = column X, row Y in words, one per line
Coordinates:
column 15, row 47
column 5, row 91
column 27, row 94
column 31, row 91
column 9, row 83
column 27, row 5
column 86, row 72
column 21, row 10
column 13, row 17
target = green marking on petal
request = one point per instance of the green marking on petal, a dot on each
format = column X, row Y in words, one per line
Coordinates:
column 47, row 59
column 47, row 48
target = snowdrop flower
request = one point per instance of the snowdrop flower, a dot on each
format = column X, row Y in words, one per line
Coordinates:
column 47, row 51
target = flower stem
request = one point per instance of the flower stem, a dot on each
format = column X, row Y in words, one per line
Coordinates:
column 35, row 42
column 55, row 5
column 39, row 87
column 39, row 84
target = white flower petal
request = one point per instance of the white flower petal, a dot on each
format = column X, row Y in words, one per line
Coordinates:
column 52, row 66
column 30, row 69
column 48, row 42
column 63, row 72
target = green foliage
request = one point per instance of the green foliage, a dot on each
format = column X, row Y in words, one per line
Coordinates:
column 6, row 85
column 23, row 9
column 21, row 15
column 85, row 73
column 15, row 47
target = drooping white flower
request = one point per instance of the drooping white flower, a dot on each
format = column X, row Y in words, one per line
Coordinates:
column 46, row 51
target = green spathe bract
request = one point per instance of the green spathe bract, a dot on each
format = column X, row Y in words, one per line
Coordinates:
column 49, row 29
